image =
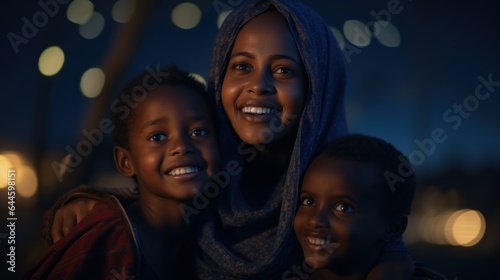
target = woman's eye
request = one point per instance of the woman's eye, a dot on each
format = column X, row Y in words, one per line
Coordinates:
column 344, row 207
column 158, row 137
column 307, row 201
column 199, row 132
column 241, row 67
column 284, row 70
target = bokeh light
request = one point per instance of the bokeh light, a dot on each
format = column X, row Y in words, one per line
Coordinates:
column 199, row 78
column 186, row 15
column 26, row 182
column 92, row 82
column 122, row 10
column 339, row 36
column 387, row 34
column 51, row 61
column 92, row 28
column 5, row 165
column 80, row 11
column 25, row 176
column 222, row 17
column 356, row 32
column 465, row 228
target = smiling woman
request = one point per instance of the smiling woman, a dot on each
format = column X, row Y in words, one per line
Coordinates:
column 265, row 84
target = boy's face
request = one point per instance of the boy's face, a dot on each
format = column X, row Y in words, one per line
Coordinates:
column 339, row 220
column 173, row 149
column 263, row 90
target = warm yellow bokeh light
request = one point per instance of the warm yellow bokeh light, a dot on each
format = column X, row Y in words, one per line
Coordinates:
column 51, row 61
column 80, row 11
column 26, row 181
column 5, row 165
column 186, row 15
column 122, row 10
column 92, row 82
column 432, row 227
column 465, row 228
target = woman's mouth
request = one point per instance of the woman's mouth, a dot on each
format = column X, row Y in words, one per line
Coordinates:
column 257, row 110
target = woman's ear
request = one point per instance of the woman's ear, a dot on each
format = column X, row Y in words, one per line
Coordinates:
column 395, row 228
column 123, row 161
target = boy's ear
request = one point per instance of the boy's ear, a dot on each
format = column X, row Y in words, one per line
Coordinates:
column 123, row 161
column 395, row 228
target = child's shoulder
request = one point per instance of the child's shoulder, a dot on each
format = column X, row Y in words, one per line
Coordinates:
column 423, row 272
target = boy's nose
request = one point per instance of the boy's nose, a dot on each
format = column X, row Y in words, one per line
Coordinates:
column 319, row 218
column 180, row 145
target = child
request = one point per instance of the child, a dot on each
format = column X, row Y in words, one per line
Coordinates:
column 351, row 206
column 165, row 140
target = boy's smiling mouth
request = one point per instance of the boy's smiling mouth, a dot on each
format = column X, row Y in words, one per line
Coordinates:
column 318, row 242
column 184, row 170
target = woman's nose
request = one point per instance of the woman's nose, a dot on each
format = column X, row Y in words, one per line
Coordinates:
column 261, row 82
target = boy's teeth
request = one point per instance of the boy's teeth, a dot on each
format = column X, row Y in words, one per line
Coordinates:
column 184, row 170
column 318, row 241
column 257, row 110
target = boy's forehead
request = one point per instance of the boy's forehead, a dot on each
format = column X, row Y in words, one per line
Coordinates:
column 171, row 99
column 359, row 177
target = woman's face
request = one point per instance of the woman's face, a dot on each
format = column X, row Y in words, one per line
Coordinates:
column 264, row 88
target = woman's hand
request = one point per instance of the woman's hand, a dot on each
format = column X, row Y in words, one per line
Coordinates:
column 69, row 215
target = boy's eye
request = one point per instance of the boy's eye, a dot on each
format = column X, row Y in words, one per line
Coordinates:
column 307, row 201
column 158, row 137
column 344, row 207
column 199, row 132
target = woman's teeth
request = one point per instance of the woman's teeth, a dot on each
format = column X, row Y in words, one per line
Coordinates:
column 184, row 170
column 257, row 110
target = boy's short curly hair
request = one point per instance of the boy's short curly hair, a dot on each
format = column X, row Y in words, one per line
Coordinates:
column 122, row 110
column 399, row 189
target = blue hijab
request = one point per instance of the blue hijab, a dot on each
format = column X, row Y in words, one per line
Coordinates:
column 237, row 241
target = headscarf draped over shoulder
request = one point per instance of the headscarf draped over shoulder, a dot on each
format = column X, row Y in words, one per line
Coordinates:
column 267, row 251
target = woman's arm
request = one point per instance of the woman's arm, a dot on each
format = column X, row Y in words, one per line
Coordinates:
column 74, row 206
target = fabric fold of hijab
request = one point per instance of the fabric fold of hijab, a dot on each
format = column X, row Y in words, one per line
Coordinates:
column 268, row 250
